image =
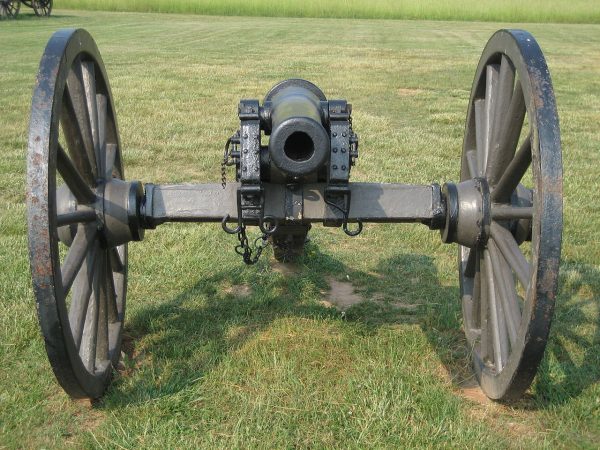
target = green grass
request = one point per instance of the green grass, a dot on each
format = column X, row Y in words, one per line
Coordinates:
column 577, row 11
column 275, row 368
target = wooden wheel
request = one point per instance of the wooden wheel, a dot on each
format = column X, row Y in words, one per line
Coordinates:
column 9, row 8
column 79, row 276
column 42, row 7
column 508, row 280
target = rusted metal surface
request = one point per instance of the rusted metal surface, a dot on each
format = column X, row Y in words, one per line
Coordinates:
column 81, row 297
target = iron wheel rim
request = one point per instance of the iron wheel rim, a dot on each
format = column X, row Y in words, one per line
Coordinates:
column 521, row 52
column 70, row 50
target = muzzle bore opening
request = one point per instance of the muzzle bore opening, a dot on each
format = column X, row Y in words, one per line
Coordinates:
column 299, row 146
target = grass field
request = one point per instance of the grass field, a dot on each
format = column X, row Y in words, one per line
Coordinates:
column 222, row 355
column 578, row 11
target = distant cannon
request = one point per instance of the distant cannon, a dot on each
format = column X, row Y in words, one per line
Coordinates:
column 505, row 213
column 10, row 8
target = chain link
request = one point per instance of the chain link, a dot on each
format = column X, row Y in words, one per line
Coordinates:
column 227, row 157
column 249, row 254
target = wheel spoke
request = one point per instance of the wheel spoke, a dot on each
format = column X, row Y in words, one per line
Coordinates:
column 480, row 133
column 498, row 328
column 508, row 120
column 504, row 93
column 87, row 351
column 506, row 291
column 491, row 88
column 74, row 181
column 476, row 296
column 483, row 311
column 511, row 131
column 82, row 290
column 113, row 310
column 84, row 239
column 111, row 154
column 511, row 252
column 88, row 77
column 77, row 111
column 116, row 261
column 471, row 263
column 513, row 174
column 102, row 338
column 509, row 212
column 102, row 113
column 472, row 163
column 79, row 216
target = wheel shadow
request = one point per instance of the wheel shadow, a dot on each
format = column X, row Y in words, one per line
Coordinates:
column 572, row 360
column 190, row 334
column 30, row 16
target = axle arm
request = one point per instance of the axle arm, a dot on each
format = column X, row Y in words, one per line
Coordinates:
column 371, row 202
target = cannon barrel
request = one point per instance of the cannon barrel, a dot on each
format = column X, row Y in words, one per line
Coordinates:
column 299, row 143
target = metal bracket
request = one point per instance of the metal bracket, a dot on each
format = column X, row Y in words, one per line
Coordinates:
column 294, row 202
column 251, row 190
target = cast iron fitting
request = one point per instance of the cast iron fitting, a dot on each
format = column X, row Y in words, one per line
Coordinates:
column 467, row 212
column 122, row 216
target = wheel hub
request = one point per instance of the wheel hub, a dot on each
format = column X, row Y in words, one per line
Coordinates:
column 467, row 212
column 117, row 210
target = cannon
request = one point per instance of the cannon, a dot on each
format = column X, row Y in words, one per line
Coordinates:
column 504, row 213
column 10, row 8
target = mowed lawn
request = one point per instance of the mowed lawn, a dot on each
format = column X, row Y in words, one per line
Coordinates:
column 223, row 355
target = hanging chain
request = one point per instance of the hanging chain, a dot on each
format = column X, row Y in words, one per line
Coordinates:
column 228, row 159
column 249, row 254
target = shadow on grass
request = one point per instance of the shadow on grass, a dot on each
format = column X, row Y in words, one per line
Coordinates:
column 572, row 361
column 186, row 341
column 29, row 16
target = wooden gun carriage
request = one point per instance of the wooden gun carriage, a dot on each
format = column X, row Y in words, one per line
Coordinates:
column 504, row 214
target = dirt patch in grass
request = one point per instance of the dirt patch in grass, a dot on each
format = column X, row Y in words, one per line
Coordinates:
column 407, row 92
column 470, row 389
column 341, row 295
column 89, row 417
column 287, row 269
column 238, row 290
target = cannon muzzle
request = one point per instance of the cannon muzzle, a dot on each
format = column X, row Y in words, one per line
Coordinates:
column 299, row 144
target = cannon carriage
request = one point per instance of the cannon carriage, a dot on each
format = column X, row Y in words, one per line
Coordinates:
column 10, row 8
column 504, row 213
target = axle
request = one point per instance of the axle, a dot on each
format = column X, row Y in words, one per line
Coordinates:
column 371, row 202
column 300, row 178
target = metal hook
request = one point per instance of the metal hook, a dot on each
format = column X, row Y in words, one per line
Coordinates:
column 271, row 230
column 228, row 230
column 355, row 232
